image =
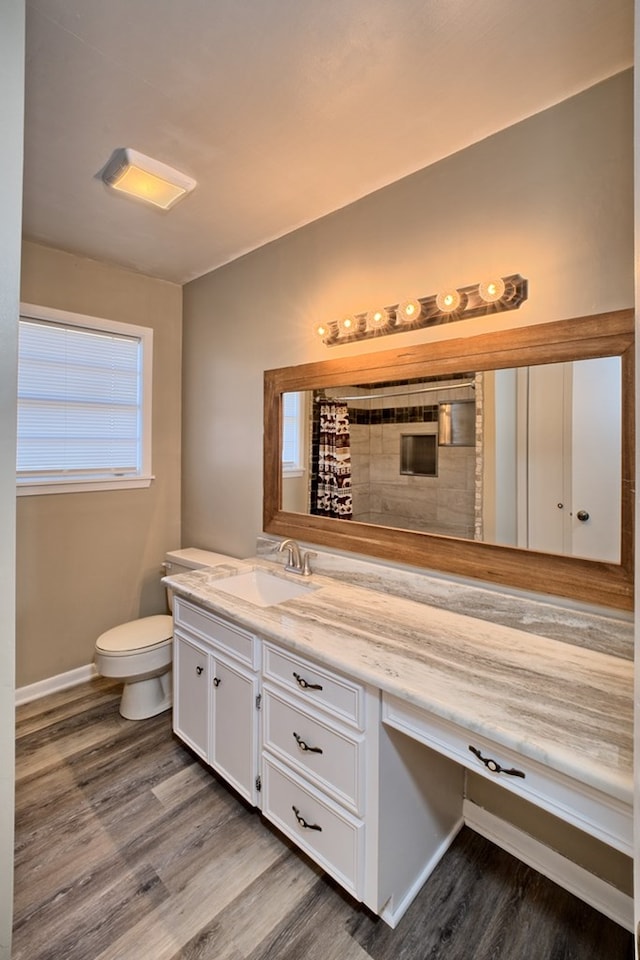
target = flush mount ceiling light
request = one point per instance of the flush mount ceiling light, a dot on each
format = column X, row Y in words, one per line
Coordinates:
column 147, row 179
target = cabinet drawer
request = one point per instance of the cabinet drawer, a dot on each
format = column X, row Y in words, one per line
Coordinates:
column 337, row 845
column 598, row 814
column 330, row 757
column 316, row 685
column 230, row 638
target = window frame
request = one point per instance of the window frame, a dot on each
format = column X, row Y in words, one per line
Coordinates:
column 295, row 468
column 30, row 486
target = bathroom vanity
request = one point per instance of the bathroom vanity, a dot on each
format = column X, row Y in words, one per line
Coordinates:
column 348, row 716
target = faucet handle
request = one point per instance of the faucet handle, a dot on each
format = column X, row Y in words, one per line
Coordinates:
column 306, row 566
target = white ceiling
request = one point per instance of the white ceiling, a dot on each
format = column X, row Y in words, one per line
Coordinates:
column 282, row 110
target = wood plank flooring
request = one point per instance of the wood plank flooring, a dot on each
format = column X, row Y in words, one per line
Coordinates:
column 127, row 848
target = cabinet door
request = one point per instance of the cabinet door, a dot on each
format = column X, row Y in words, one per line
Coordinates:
column 190, row 695
column 234, row 726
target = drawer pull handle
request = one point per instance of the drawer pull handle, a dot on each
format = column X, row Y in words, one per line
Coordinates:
column 216, row 681
column 199, row 670
column 305, row 685
column 303, row 823
column 494, row 766
column 305, row 746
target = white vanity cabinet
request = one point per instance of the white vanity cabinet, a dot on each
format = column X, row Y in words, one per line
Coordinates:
column 305, row 743
column 216, row 694
column 601, row 815
column 356, row 747
column 374, row 808
column 314, row 761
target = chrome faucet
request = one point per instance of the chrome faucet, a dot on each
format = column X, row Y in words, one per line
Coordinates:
column 297, row 562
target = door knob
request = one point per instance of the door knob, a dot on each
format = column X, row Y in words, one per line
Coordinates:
column 582, row 515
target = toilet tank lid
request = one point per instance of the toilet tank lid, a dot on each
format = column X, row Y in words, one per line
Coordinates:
column 137, row 634
column 193, row 558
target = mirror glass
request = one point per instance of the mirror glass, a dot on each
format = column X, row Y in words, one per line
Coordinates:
column 506, row 456
column 527, row 457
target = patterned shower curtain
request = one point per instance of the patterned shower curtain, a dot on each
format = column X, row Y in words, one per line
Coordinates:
column 333, row 488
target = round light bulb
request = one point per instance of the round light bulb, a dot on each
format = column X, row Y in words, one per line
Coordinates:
column 409, row 311
column 491, row 290
column 347, row 325
column 377, row 319
column 448, row 301
column 322, row 330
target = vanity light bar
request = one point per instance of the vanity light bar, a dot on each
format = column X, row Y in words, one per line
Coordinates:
column 477, row 300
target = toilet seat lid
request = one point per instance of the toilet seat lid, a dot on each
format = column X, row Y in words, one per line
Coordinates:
column 137, row 634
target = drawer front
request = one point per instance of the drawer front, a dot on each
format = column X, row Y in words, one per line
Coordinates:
column 329, row 757
column 236, row 642
column 338, row 844
column 339, row 697
column 599, row 815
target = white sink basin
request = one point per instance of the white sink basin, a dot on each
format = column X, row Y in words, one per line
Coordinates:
column 262, row 588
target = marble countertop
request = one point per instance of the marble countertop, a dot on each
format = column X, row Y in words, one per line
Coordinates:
column 562, row 705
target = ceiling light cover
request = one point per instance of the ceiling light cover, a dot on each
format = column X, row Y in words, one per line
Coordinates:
column 146, row 179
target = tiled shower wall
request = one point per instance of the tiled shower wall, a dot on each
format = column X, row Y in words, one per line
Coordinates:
column 445, row 504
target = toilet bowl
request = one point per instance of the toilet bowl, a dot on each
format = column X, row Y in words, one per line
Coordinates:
column 140, row 652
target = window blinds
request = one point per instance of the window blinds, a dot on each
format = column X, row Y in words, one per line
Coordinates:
column 79, row 402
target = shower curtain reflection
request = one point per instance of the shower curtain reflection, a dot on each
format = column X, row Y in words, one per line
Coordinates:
column 331, row 460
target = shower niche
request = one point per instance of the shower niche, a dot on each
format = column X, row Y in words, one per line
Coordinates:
column 419, row 454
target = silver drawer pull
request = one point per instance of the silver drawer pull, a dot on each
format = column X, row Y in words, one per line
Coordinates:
column 303, row 823
column 494, row 766
column 305, row 685
column 305, row 746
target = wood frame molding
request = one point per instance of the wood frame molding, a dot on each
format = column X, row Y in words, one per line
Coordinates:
column 579, row 338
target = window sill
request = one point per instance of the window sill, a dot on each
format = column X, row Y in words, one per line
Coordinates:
column 31, row 488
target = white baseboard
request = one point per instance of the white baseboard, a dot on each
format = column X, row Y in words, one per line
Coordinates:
column 53, row 684
column 596, row 892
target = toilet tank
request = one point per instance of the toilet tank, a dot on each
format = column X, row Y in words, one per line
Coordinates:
column 191, row 558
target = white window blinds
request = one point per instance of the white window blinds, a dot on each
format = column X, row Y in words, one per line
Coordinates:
column 79, row 402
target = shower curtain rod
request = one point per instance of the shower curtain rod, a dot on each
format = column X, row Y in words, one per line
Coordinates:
column 402, row 393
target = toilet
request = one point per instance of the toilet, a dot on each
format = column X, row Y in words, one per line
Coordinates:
column 140, row 652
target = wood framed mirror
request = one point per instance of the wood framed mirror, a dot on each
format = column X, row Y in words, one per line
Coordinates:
column 608, row 581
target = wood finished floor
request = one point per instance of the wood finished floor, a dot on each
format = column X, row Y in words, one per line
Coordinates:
column 128, row 849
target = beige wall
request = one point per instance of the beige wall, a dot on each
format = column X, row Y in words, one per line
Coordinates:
column 88, row 561
column 11, row 124
column 551, row 198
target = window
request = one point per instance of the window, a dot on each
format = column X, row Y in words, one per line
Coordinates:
column 292, row 407
column 84, row 403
